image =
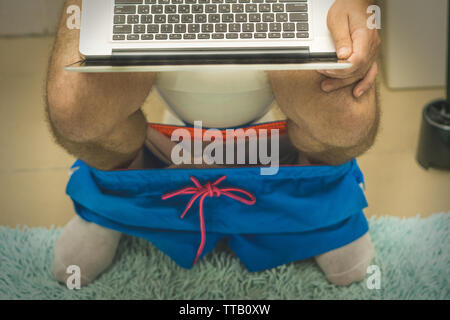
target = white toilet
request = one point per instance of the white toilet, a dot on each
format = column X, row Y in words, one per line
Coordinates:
column 220, row 99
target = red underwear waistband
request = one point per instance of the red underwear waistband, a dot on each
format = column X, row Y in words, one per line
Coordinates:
column 167, row 130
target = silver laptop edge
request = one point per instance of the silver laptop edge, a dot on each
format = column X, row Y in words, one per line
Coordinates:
column 96, row 42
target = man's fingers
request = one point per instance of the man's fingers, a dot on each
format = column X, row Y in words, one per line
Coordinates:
column 355, row 43
column 352, row 72
column 361, row 47
column 362, row 87
column 338, row 74
column 365, row 84
column 359, row 59
column 340, row 30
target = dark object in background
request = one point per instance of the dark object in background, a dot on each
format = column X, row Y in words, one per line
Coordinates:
column 434, row 142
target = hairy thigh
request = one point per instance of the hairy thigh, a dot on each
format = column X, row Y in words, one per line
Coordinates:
column 336, row 118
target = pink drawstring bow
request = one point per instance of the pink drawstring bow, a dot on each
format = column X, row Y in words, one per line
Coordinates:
column 209, row 189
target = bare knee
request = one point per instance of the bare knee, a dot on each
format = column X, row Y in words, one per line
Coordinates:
column 339, row 147
column 346, row 122
column 67, row 112
column 335, row 127
column 83, row 107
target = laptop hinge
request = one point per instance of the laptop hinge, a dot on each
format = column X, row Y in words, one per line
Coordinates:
column 297, row 52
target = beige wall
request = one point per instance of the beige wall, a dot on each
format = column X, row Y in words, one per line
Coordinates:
column 25, row 17
column 414, row 47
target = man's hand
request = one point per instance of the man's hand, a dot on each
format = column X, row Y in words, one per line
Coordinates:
column 356, row 43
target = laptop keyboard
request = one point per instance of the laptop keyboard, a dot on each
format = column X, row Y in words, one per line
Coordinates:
column 145, row 20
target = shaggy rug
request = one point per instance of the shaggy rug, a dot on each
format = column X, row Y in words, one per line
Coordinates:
column 412, row 262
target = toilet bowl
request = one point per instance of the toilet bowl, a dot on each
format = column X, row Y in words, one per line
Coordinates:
column 220, row 99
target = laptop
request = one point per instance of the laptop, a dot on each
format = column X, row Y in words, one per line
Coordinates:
column 194, row 35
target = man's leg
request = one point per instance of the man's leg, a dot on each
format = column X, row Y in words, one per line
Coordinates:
column 97, row 118
column 330, row 128
column 349, row 263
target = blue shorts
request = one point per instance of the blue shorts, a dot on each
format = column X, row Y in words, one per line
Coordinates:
column 300, row 212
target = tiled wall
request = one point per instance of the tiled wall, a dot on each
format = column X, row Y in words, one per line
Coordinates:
column 25, row 17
